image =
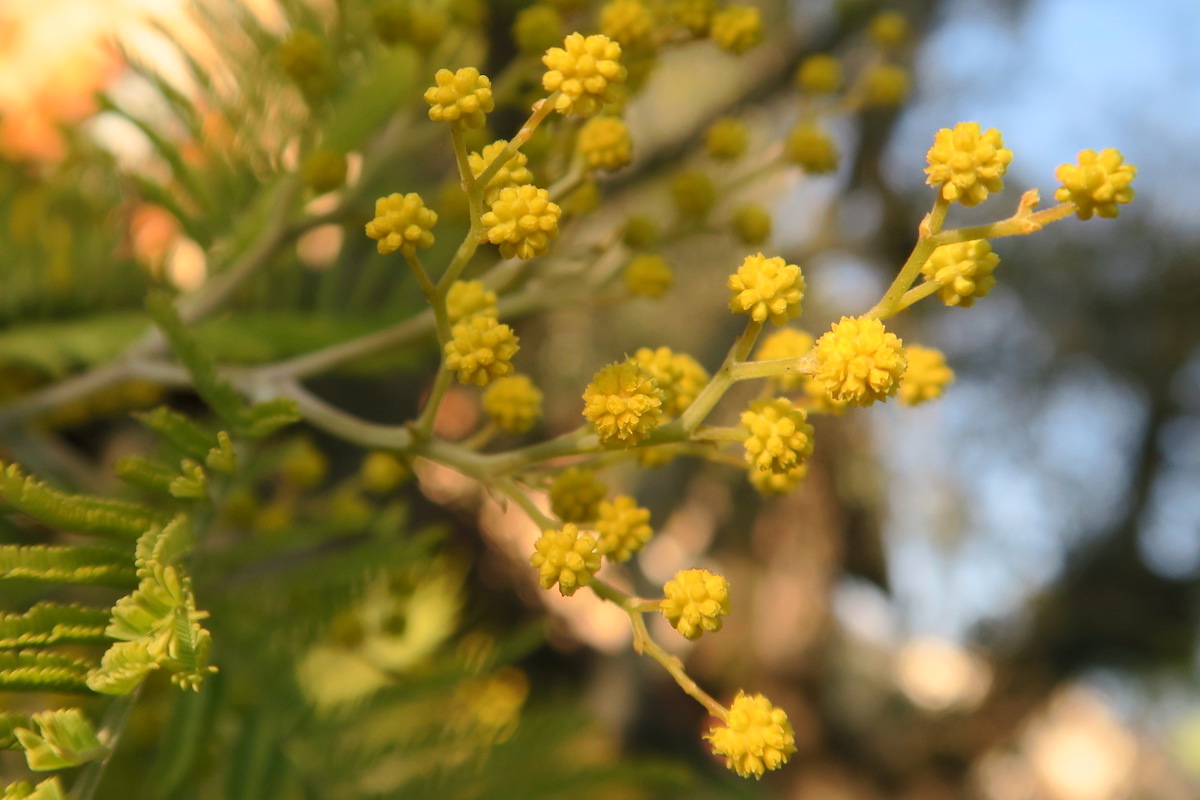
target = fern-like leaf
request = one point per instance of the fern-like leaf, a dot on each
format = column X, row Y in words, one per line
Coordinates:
column 179, row 431
column 122, row 668
column 59, row 739
column 49, row 624
column 263, row 419
column 9, row 722
column 38, row 671
column 54, row 564
column 145, row 474
column 161, row 547
column 49, row 789
column 76, row 513
column 217, row 392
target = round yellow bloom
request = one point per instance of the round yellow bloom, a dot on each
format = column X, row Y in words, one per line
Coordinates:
column 859, row 361
column 779, row 436
column 641, row 232
column 817, row 402
column 809, row 146
column 537, row 28
column 679, row 376
column 382, row 472
column 514, row 403
column 752, row 223
column 605, row 143
column 522, row 221
column 480, row 350
column 565, row 557
column 737, row 28
column 324, row 170
column 776, row 483
column 785, row 343
column 575, row 495
column 624, row 528
column 756, row 736
column 693, row 193
column 587, row 71
column 888, row 29
column 695, row 601
column 402, row 21
column 513, row 173
column 469, row 298
column 624, row 403
column 964, row 270
column 628, row 22
column 1097, row 184
column 967, row 164
column 767, row 288
column 927, row 375
column 304, row 465
column 695, row 15
column 402, row 222
column 649, row 275
column 462, row 98
column 885, row 85
column 726, row 139
column 819, row 74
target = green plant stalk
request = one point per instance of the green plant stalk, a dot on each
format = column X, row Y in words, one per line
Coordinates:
column 721, row 380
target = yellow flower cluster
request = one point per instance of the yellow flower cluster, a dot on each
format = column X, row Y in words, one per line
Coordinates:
column 575, row 495
column 513, row 403
column 586, row 70
column 402, row 222
column 480, row 350
column 648, row 275
column 812, row 148
column 624, row 404
column 462, row 98
column 513, row 173
column 605, row 143
column 756, row 736
column 779, row 437
column 324, row 170
column 694, row 15
column 1098, row 184
column 785, row 343
column 641, row 232
column 766, row 288
column 522, row 221
column 752, row 223
column 628, row 22
column 819, row 74
column 726, row 139
column 679, row 376
column 888, row 29
column 468, row 299
column 885, row 85
column 537, row 28
column 967, row 164
column 624, row 528
column 859, row 361
column 693, row 193
column 927, row 375
column 737, row 28
column 695, row 601
column 964, row 270
column 381, row 472
column 775, row 483
column 565, row 557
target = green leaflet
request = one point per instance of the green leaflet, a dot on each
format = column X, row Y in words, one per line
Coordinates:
column 56, row 348
column 122, row 668
column 49, row 789
column 179, row 431
column 145, row 474
column 37, row 671
column 54, row 564
column 8, row 722
column 51, row 623
column 76, row 513
column 59, row 739
column 263, row 419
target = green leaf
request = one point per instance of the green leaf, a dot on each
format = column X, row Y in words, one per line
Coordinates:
column 122, row 668
column 215, row 391
column 38, row 671
column 64, row 738
column 179, row 431
column 263, row 419
column 388, row 85
column 75, row 513
column 8, row 722
column 48, row 624
column 53, row 564
column 57, row 348
column 145, row 474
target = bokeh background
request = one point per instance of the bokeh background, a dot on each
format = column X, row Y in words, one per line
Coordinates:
column 993, row 596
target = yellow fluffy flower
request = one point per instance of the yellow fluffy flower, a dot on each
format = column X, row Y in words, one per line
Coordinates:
column 859, row 361
column 885, row 85
column 737, row 28
column 624, row 404
column 480, row 350
column 381, row 472
column 588, row 72
column 785, row 343
column 605, row 143
column 819, row 74
column 756, row 736
column 766, row 288
column 522, row 221
column 462, row 98
column 967, row 164
column 469, row 298
column 628, row 22
column 752, row 223
column 888, row 29
column 778, row 435
column 649, row 275
column 694, row 602
column 726, row 139
column 402, row 222
column 624, row 528
column 695, row 15
column 811, row 147
column 693, row 193
column 537, row 28
column 565, row 557
column 680, row 377
column 777, row 483
column 514, row 403
column 1097, row 185
column 964, row 270
column 575, row 495
column 927, row 375
column 513, row 173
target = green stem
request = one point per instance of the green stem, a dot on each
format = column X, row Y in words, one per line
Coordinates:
column 111, row 730
column 510, row 489
column 424, row 423
column 1016, row 225
column 721, row 380
column 777, row 368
